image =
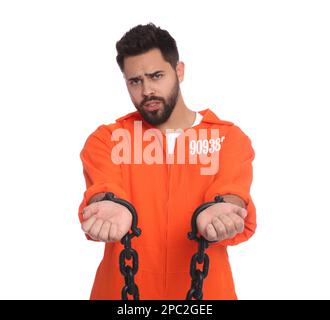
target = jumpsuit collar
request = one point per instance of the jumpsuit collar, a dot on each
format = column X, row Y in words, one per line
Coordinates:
column 208, row 117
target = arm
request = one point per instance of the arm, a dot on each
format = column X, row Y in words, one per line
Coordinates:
column 101, row 174
column 234, row 179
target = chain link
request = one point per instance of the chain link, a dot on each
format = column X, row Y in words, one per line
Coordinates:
column 128, row 253
column 201, row 257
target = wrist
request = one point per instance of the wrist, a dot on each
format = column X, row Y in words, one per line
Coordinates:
column 234, row 199
column 96, row 197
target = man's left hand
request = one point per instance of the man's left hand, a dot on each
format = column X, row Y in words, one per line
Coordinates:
column 221, row 221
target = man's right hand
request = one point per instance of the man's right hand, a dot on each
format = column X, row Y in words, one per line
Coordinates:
column 106, row 221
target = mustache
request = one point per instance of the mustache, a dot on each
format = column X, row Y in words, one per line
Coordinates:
column 145, row 100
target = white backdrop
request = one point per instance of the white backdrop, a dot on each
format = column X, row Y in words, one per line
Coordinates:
column 261, row 64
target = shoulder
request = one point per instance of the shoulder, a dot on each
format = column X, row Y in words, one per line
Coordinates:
column 236, row 132
column 103, row 132
column 233, row 134
column 231, row 129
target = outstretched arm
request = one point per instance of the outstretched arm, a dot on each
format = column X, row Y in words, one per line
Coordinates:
column 231, row 224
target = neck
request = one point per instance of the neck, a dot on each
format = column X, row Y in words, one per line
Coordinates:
column 181, row 117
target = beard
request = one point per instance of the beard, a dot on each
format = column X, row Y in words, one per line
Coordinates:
column 166, row 107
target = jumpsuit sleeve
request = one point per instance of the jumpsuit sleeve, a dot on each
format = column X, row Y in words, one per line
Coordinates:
column 235, row 177
column 100, row 172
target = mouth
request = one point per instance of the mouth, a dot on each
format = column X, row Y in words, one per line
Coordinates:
column 152, row 105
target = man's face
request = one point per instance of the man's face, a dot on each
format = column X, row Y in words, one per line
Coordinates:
column 153, row 85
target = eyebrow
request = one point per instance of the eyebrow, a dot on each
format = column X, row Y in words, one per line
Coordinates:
column 146, row 74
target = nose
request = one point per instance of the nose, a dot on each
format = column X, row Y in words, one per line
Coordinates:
column 148, row 90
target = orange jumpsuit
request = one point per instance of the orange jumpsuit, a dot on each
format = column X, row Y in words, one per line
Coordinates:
column 165, row 197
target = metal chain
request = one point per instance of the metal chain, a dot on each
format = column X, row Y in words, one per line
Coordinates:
column 197, row 276
column 201, row 257
column 128, row 253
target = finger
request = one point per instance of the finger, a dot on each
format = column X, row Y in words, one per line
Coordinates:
column 241, row 212
column 229, row 224
column 104, row 232
column 239, row 223
column 87, row 224
column 90, row 210
column 113, row 233
column 211, row 234
column 219, row 228
column 95, row 229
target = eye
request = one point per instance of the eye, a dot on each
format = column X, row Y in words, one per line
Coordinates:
column 135, row 82
column 157, row 76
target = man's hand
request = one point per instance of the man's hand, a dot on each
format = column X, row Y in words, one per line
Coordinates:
column 106, row 221
column 221, row 221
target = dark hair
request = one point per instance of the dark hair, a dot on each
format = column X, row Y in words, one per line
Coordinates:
column 141, row 39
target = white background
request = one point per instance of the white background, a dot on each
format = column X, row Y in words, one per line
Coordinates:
column 261, row 64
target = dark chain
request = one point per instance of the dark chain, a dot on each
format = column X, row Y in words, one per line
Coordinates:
column 128, row 253
column 201, row 257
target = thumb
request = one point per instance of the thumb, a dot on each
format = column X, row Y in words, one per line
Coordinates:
column 90, row 210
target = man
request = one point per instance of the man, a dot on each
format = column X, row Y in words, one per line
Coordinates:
column 156, row 159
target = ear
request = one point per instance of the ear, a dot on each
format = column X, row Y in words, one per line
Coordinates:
column 180, row 70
